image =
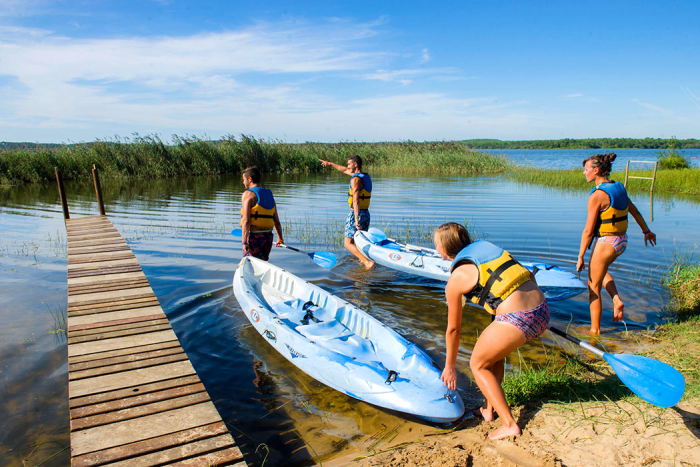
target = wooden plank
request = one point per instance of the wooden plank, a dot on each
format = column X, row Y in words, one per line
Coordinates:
column 78, row 251
column 134, row 284
column 105, row 271
column 121, row 343
column 144, row 363
column 86, row 259
column 230, row 457
column 132, row 357
column 93, row 280
column 218, row 451
column 110, row 262
column 113, row 316
column 141, row 399
column 95, row 357
column 127, row 305
column 87, row 241
column 121, row 325
column 138, row 390
column 115, row 322
column 151, row 426
column 152, row 445
column 97, row 298
column 91, row 421
column 111, row 233
column 118, row 334
column 112, row 382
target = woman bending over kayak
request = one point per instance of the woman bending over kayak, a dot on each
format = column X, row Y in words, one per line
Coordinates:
column 606, row 234
column 489, row 276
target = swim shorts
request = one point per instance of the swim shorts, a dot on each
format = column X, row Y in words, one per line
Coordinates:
column 350, row 228
column 259, row 245
column 619, row 242
column 531, row 322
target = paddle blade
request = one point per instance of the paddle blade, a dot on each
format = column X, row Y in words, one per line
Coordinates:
column 375, row 235
column 654, row 381
column 237, row 232
column 324, row 259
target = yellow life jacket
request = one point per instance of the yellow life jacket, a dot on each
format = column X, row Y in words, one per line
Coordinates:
column 499, row 274
column 612, row 221
column 262, row 215
column 366, row 192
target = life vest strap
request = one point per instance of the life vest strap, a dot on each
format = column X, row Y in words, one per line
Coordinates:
column 613, row 220
column 494, row 276
column 256, row 215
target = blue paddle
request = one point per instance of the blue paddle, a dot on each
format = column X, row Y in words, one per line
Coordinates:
column 325, row 259
column 656, row 382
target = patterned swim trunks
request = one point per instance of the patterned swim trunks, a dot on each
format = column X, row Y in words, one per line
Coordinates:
column 259, row 245
column 350, row 228
column 619, row 242
column 531, row 322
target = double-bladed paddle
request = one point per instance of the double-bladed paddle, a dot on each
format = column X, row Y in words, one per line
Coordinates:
column 325, row 259
column 656, row 382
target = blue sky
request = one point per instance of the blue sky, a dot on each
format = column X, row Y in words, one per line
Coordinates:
column 351, row 71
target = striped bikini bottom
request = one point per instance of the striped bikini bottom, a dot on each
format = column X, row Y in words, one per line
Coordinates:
column 531, row 322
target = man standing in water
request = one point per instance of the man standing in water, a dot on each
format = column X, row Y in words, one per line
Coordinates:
column 358, row 199
column 258, row 216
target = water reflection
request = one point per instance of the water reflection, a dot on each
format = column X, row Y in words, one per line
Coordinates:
column 179, row 230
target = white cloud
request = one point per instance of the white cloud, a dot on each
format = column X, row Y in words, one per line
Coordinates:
column 425, row 57
column 573, row 96
column 693, row 98
column 655, row 109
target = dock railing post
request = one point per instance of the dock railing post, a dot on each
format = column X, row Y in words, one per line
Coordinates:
column 98, row 190
column 62, row 194
column 627, row 171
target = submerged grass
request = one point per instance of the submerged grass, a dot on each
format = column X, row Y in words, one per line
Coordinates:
column 684, row 181
column 151, row 157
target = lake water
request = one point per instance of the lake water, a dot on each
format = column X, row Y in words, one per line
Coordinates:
column 179, row 231
column 572, row 158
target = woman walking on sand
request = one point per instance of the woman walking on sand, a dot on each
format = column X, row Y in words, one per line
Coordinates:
column 606, row 234
column 489, row 276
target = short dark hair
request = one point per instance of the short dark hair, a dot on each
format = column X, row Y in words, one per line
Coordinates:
column 357, row 160
column 602, row 162
column 252, row 172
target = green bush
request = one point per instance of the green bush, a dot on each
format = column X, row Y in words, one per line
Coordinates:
column 672, row 158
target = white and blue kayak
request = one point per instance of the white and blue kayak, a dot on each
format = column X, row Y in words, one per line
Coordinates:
column 556, row 283
column 340, row 345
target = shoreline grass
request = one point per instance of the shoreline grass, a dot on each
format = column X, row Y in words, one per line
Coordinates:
column 150, row 157
column 682, row 181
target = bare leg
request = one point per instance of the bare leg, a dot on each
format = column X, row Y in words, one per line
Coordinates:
column 498, row 370
column 493, row 346
column 602, row 257
column 352, row 248
column 618, row 304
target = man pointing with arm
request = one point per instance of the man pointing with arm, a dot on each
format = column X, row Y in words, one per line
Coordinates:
column 358, row 199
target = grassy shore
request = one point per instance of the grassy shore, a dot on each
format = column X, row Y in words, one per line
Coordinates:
column 683, row 181
column 569, row 378
column 150, row 157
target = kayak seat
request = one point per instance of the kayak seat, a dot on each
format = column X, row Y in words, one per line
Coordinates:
column 325, row 330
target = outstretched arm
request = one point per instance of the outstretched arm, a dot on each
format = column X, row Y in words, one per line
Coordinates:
column 338, row 167
column 649, row 236
column 454, row 327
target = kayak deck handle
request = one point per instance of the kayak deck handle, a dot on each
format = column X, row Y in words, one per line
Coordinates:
column 391, row 378
column 309, row 314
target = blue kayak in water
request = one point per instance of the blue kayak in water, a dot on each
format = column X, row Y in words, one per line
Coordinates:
column 341, row 345
column 555, row 282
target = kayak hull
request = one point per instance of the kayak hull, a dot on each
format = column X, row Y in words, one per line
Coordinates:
column 556, row 283
column 341, row 345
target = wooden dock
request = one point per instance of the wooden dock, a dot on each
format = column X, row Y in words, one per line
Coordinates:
column 135, row 399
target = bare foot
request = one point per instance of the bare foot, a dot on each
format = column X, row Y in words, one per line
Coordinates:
column 592, row 332
column 619, row 307
column 504, row 432
column 369, row 264
column 487, row 414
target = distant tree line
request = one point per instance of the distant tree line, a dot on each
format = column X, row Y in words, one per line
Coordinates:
column 586, row 143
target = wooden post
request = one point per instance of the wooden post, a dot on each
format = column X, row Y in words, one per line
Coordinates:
column 653, row 177
column 651, row 205
column 627, row 171
column 62, row 194
column 98, row 190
